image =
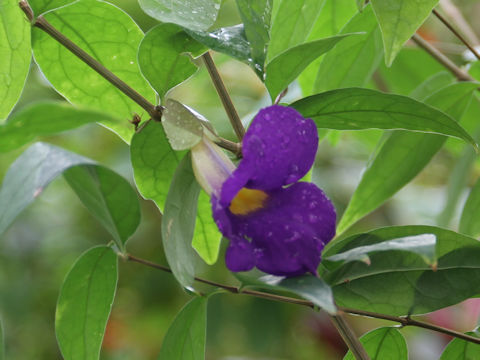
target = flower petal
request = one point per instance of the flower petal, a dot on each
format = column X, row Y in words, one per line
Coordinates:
column 288, row 234
column 278, row 149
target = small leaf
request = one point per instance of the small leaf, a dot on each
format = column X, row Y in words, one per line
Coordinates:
column 112, row 38
column 228, row 40
column 43, row 119
column 85, row 303
column 163, row 57
column 178, row 222
column 382, row 344
column 186, row 337
column 256, row 17
column 399, row 20
column 408, row 285
column 15, row 52
column 286, row 67
column 154, row 162
column 422, row 245
column 459, row 349
column 292, row 24
column 353, row 61
column 191, row 14
column 183, row 127
column 470, row 220
column 207, row 237
column 109, row 197
column 359, row 109
column 404, row 154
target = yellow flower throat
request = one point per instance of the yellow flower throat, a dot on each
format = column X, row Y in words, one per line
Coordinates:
column 247, row 201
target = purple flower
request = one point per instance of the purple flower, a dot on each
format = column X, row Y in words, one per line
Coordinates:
column 273, row 221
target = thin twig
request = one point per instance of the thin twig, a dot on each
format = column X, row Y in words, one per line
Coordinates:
column 43, row 24
column 456, row 33
column 402, row 320
column 456, row 15
column 442, row 59
column 349, row 337
column 224, row 97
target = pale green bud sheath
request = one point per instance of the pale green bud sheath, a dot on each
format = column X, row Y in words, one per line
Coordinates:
column 211, row 166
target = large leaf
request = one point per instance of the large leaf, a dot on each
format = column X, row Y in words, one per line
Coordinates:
column 107, row 195
column 404, row 154
column 186, row 337
column 154, row 162
column 353, row 61
column 459, row 349
column 178, row 222
column 399, row 19
column 43, row 119
column 286, row 67
column 228, row 40
column 256, row 17
column 385, row 343
column 470, row 220
column 112, row 38
column 358, row 109
column 41, row 6
column 15, row 53
column 400, row 282
column 163, row 57
column 291, row 24
column 85, row 302
column 307, row 287
column 192, row 14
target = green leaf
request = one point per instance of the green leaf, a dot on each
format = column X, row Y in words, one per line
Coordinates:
column 163, row 57
column 228, row 40
column 307, row 287
column 359, row 109
column 400, row 282
column 286, row 67
column 384, row 343
column 207, row 237
column 2, row 343
column 459, row 349
column 192, row 14
column 470, row 220
column 178, row 222
column 109, row 197
column 291, row 24
column 42, row 6
column 43, row 119
column 422, row 245
column 399, row 19
column 432, row 84
column 15, row 52
column 256, row 17
column 85, row 302
column 353, row 61
column 186, row 337
column 403, row 154
column 154, row 162
column 112, row 38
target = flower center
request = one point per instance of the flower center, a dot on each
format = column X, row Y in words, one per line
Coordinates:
column 247, row 200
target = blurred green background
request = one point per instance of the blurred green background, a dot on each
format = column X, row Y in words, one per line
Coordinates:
column 37, row 251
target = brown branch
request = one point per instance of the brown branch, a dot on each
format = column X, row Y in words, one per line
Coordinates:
column 455, row 14
column 349, row 337
column 402, row 320
column 442, row 59
column 456, row 33
column 224, row 97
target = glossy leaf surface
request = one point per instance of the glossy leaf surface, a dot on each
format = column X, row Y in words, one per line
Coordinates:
column 112, row 38
column 15, row 53
column 85, row 302
column 459, row 349
column 385, row 343
column 41, row 6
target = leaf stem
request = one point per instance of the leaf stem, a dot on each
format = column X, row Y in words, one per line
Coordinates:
column 402, row 320
column 349, row 337
column 442, row 59
column 224, row 97
column 41, row 23
column 456, row 33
